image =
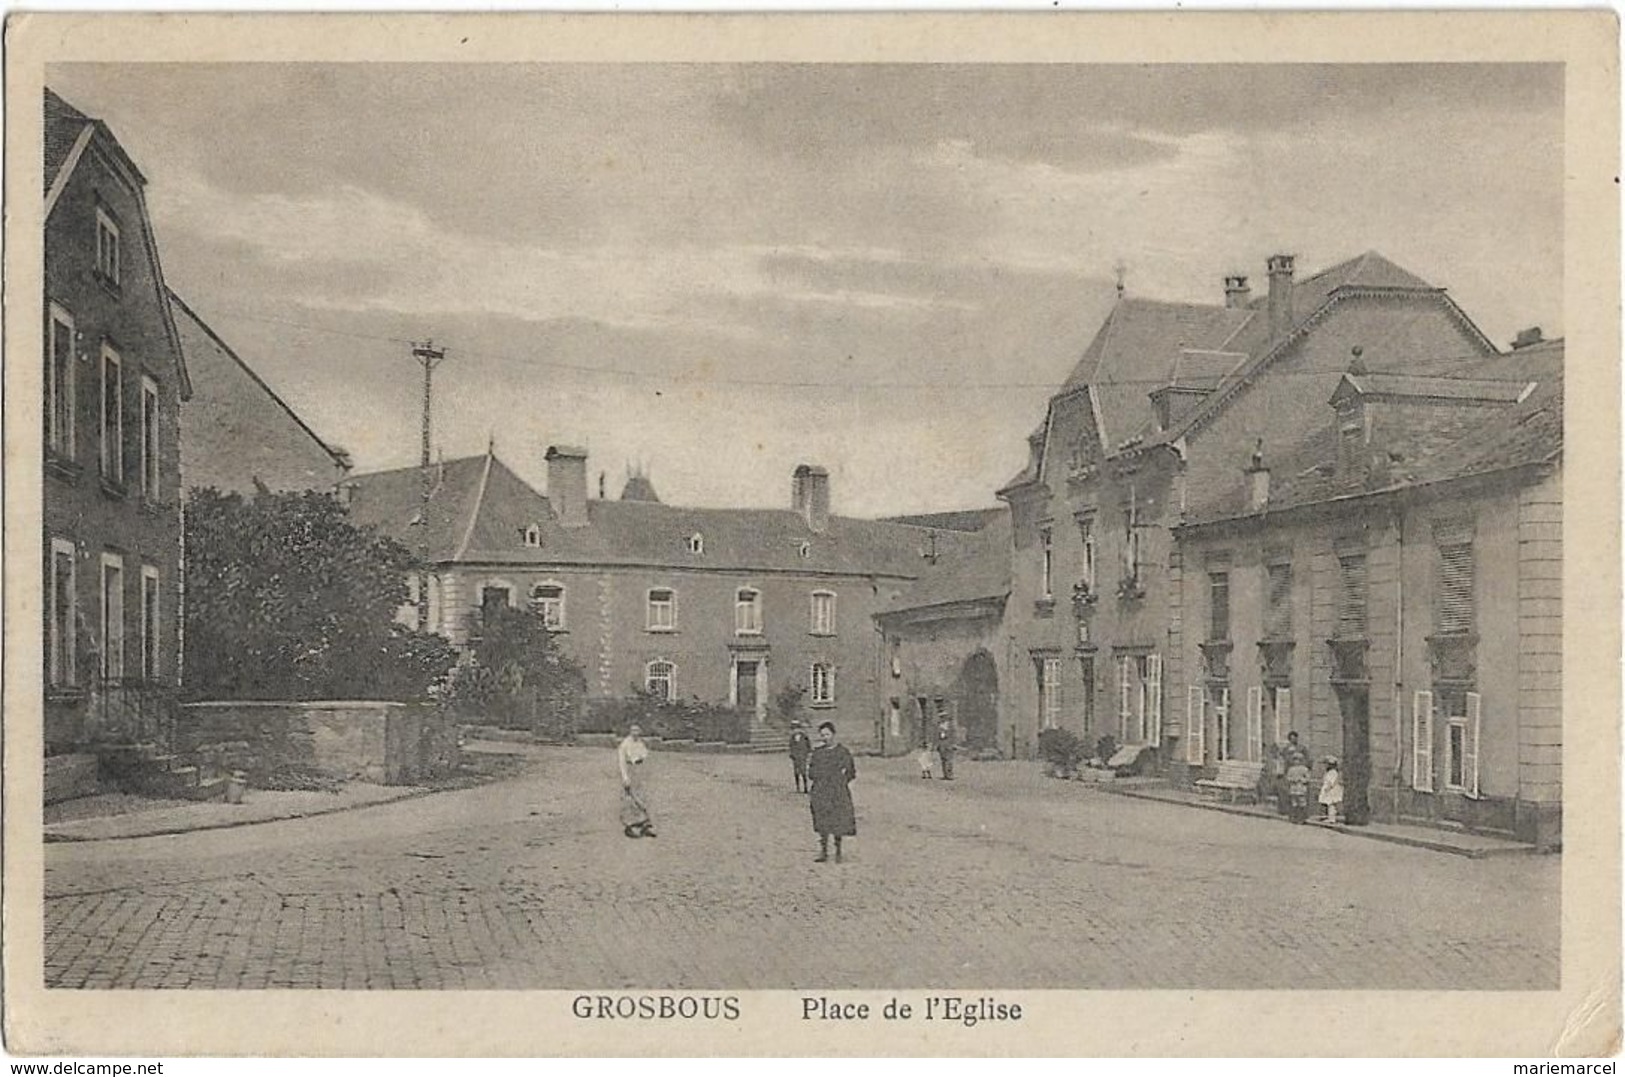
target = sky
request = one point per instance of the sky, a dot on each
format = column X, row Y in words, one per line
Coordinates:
column 719, row 271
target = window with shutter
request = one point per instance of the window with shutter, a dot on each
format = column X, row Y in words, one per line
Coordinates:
column 1422, row 742
column 1195, row 724
column 1278, row 602
column 1351, row 596
column 1283, row 713
column 1221, row 722
column 1154, row 699
column 1454, row 612
column 1475, row 706
column 1255, row 724
column 1125, row 678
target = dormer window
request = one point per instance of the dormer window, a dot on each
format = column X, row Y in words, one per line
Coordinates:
column 533, row 536
column 696, row 543
column 804, row 550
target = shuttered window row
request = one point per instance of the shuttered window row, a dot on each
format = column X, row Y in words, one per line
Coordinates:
column 1278, row 608
column 1454, row 611
column 1351, row 596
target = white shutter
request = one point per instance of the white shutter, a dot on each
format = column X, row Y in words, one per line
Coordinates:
column 1422, row 742
column 1255, row 724
column 1469, row 765
column 1283, row 712
column 1154, row 694
column 1195, row 724
column 1123, row 674
column 1221, row 714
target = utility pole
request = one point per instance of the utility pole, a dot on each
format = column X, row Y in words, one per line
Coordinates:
column 428, row 357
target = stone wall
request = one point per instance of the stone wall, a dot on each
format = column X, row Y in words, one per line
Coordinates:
column 388, row 743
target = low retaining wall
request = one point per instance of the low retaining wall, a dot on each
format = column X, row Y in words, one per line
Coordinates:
column 387, row 743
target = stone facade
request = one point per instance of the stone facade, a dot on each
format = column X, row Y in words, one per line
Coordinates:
column 114, row 386
column 385, row 743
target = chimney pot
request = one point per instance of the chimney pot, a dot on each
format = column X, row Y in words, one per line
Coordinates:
column 1236, row 291
column 567, row 484
column 1280, row 300
column 809, row 495
column 1527, row 337
column 1258, row 481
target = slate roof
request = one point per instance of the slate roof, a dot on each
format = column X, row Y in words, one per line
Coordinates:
column 479, row 510
column 979, row 571
column 1433, row 387
column 961, row 520
column 63, row 125
column 1526, row 432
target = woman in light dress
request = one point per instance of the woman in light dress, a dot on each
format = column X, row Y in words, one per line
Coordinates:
column 633, row 755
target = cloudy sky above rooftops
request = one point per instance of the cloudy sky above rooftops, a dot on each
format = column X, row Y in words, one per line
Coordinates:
column 721, row 271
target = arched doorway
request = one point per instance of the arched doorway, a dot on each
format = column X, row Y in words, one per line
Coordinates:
column 978, row 693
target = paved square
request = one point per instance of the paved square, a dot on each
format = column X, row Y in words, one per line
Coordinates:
column 1001, row 879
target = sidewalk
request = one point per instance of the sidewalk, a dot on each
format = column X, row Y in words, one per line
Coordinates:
column 111, row 816
column 1457, row 842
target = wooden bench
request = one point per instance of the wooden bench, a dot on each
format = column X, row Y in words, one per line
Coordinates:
column 1235, row 777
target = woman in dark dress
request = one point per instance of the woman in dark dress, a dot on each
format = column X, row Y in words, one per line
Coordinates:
column 829, row 771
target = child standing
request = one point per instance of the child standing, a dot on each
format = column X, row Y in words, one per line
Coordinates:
column 1331, row 791
column 926, row 762
column 1297, row 790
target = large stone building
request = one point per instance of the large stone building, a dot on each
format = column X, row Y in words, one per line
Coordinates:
column 115, row 377
column 236, row 432
column 1166, row 398
column 1390, row 588
column 729, row 605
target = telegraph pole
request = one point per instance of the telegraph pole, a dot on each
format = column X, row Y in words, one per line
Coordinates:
column 428, row 357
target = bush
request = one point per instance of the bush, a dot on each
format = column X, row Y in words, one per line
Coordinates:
column 286, row 599
column 1105, row 748
column 680, row 719
column 517, row 677
column 1062, row 749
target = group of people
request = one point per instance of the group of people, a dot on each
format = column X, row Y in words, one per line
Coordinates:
column 940, row 747
column 823, row 773
column 1298, row 777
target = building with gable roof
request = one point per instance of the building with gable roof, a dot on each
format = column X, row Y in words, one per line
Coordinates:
column 1390, row 588
column 1164, row 402
column 115, row 377
column 237, row 434
column 723, row 604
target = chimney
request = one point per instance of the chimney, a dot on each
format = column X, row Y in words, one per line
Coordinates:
column 809, row 495
column 1258, row 481
column 567, row 484
column 1527, row 338
column 1236, row 292
column 1280, row 302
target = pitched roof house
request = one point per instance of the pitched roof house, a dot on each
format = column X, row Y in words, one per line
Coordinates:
column 725, row 604
column 1390, row 588
column 1166, row 403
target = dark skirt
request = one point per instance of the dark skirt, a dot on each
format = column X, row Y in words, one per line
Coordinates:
column 830, row 769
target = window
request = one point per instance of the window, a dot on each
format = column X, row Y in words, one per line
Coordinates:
column 662, row 609
column 112, row 416
column 1351, row 596
column 1218, row 590
column 1455, row 753
column 59, row 383
column 1278, row 601
column 62, row 614
column 1218, row 704
column 494, row 596
column 1131, row 544
column 149, row 439
column 1049, row 693
column 149, row 623
column 1453, row 614
column 533, row 536
column 748, row 612
column 547, row 599
column 1086, row 531
column 1463, row 710
column 660, row 678
column 1086, row 668
column 1046, row 539
column 1422, row 742
column 696, row 543
column 823, row 684
column 1139, row 698
column 823, row 613
column 1151, row 697
column 112, row 659
column 107, row 247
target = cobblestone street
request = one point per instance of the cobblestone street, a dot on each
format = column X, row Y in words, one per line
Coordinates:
column 1000, row 879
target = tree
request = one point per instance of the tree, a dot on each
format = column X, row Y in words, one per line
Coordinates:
column 287, row 599
column 519, row 677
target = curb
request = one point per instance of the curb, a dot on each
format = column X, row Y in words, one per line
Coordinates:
column 232, row 824
column 1353, row 832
